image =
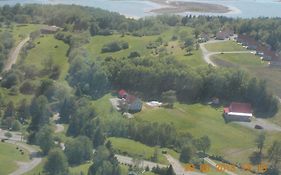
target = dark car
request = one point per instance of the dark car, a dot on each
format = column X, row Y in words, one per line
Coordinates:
column 258, row 127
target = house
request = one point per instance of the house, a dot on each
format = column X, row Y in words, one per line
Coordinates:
column 224, row 34
column 238, row 112
column 49, row 30
column 129, row 102
column 221, row 35
column 122, row 94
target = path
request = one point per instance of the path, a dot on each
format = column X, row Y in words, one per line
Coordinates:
column 59, row 127
column 178, row 168
column 215, row 165
column 12, row 59
column 24, row 167
column 143, row 163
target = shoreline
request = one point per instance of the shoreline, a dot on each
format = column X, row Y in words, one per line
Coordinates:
column 170, row 6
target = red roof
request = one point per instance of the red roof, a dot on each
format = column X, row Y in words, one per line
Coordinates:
column 122, row 93
column 240, row 107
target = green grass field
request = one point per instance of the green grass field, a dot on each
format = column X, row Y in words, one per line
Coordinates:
column 231, row 140
column 227, row 46
column 22, row 31
column 136, row 149
column 9, row 156
column 244, row 60
column 139, row 44
column 44, row 49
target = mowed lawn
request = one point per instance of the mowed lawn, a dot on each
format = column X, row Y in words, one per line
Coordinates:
column 227, row 46
column 21, row 31
column 9, row 156
column 45, row 49
column 133, row 148
column 244, row 60
column 231, row 140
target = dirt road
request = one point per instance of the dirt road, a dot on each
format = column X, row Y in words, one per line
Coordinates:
column 12, row 59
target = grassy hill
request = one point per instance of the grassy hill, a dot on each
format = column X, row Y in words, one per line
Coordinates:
column 139, row 44
column 9, row 156
column 232, row 141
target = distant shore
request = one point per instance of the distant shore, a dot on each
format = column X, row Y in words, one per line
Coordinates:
column 183, row 6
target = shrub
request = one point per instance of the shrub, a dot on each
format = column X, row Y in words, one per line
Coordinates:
column 114, row 46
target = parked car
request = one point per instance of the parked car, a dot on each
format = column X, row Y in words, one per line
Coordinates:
column 258, row 127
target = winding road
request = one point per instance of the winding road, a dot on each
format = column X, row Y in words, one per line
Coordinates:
column 16, row 138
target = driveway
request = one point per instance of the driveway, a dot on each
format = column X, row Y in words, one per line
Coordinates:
column 143, row 163
column 208, row 54
column 267, row 126
column 215, row 165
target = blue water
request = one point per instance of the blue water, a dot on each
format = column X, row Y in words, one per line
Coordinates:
column 141, row 8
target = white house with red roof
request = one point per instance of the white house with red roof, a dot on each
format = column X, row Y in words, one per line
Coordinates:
column 238, row 112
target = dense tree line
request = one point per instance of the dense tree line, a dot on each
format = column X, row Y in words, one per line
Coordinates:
column 153, row 76
column 7, row 42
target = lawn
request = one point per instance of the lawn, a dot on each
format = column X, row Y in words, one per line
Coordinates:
column 232, row 141
column 244, row 60
column 45, row 49
column 80, row 169
column 9, row 155
column 139, row 44
column 136, row 149
column 21, row 31
column 227, row 46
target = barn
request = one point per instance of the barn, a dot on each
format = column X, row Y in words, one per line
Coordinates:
column 238, row 112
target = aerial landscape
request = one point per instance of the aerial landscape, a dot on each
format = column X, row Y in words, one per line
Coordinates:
column 131, row 87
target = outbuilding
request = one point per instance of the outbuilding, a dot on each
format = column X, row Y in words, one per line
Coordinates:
column 238, row 112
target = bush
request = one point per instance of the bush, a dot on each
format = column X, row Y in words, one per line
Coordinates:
column 27, row 88
column 134, row 54
column 114, row 46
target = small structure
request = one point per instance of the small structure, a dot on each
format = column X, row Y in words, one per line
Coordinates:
column 221, row 35
column 154, row 104
column 134, row 104
column 224, row 34
column 49, row 30
column 238, row 112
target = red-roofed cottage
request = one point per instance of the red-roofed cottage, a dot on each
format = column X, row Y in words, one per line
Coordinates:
column 238, row 112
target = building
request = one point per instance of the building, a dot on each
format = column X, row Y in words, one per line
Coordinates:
column 224, row 34
column 129, row 103
column 221, row 35
column 238, row 112
column 49, row 29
